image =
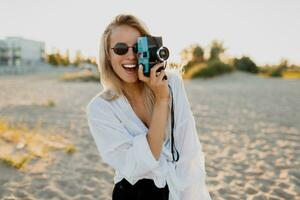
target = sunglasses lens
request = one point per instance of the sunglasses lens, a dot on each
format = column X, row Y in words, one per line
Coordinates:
column 120, row 48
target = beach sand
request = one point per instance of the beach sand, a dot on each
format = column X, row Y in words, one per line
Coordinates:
column 249, row 128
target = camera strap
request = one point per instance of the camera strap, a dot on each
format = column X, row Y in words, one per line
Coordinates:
column 173, row 147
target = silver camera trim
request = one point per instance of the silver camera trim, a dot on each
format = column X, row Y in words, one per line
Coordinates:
column 158, row 56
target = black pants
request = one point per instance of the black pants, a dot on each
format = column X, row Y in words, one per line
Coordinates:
column 144, row 189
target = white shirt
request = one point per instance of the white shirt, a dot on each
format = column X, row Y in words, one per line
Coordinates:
column 120, row 137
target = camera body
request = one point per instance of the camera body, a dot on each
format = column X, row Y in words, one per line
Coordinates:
column 150, row 52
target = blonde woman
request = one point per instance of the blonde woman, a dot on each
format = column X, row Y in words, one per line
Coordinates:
column 143, row 126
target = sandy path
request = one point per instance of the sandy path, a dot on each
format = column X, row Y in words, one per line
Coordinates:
column 249, row 128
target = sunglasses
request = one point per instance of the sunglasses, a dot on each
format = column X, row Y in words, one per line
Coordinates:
column 122, row 48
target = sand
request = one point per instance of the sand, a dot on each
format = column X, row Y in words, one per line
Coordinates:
column 249, row 128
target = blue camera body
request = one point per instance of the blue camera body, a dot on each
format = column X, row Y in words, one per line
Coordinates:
column 150, row 52
column 143, row 55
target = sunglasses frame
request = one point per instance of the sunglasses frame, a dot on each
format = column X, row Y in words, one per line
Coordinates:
column 120, row 53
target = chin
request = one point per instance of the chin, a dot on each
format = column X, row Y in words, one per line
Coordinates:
column 131, row 80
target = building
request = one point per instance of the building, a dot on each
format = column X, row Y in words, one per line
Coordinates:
column 17, row 51
column 3, row 53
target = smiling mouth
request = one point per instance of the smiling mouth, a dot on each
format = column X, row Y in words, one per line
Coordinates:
column 130, row 67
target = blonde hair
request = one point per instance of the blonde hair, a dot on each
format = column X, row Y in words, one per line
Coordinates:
column 110, row 81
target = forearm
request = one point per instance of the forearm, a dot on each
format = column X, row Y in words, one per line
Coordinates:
column 157, row 127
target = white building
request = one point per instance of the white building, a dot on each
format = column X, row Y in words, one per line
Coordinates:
column 22, row 51
column 3, row 53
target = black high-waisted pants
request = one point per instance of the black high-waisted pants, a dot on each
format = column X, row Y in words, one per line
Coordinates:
column 144, row 189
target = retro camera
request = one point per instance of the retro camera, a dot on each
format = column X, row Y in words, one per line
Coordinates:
column 150, row 52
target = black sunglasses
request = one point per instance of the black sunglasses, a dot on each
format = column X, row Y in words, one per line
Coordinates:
column 122, row 48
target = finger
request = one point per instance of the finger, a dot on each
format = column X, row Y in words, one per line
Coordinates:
column 157, row 74
column 141, row 75
column 161, row 76
column 154, row 69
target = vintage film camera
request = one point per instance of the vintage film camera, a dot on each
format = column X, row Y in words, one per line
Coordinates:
column 150, row 52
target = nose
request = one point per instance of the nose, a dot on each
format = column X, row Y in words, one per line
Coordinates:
column 130, row 54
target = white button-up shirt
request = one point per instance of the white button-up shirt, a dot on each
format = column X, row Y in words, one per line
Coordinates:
column 120, row 137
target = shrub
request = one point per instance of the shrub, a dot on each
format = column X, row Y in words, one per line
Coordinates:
column 245, row 64
column 277, row 71
column 212, row 68
column 216, row 49
column 84, row 76
column 188, row 66
column 188, row 74
column 50, row 103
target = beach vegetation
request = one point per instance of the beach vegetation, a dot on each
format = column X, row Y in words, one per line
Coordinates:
column 50, row 103
column 199, row 65
column 210, row 69
column 245, row 64
column 57, row 59
column 83, row 75
column 216, row 49
column 20, row 146
column 282, row 70
column 211, row 61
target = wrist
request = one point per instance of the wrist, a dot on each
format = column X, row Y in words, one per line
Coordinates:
column 164, row 100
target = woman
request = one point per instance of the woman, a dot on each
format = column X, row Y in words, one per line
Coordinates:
column 130, row 121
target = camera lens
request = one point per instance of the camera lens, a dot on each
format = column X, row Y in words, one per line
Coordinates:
column 163, row 53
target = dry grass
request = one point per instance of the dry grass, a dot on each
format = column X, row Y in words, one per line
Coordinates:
column 194, row 70
column 50, row 103
column 291, row 75
column 285, row 75
column 264, row 75
column 19, row 145
column 84, row 75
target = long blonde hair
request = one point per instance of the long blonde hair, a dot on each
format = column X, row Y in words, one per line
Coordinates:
column 110, row 81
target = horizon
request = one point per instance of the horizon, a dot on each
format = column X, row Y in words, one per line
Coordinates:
column 266, row 31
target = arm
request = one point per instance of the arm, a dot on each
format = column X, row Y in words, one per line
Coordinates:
column 159, row 86
column 156, row 131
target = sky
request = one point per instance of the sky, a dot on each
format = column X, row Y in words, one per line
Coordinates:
column 265, row 30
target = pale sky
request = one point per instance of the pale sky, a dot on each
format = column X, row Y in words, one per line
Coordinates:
column 265, row 30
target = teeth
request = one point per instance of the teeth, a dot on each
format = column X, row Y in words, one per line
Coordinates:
column 129, row 65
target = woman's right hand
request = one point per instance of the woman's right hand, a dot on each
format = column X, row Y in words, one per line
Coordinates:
column 156, row 82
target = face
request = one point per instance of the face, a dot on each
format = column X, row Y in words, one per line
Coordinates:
column 125, row 66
